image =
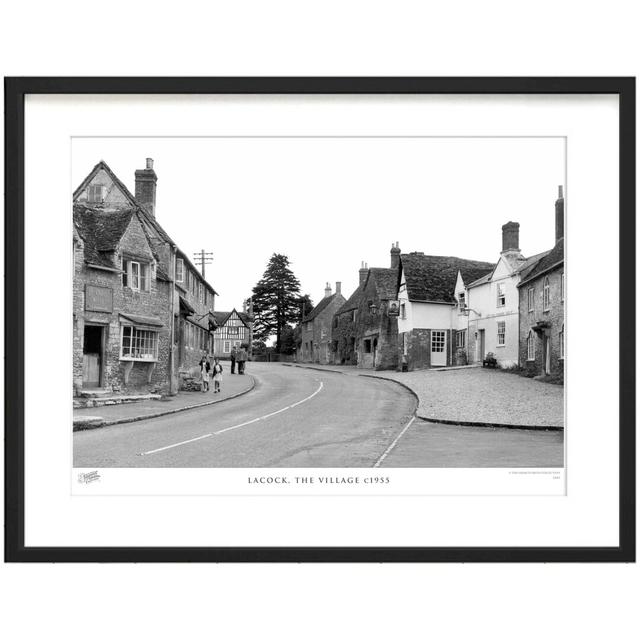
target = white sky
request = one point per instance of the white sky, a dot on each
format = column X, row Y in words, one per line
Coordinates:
column 330, row 203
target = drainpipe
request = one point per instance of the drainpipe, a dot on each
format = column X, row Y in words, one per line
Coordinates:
column 172, row 345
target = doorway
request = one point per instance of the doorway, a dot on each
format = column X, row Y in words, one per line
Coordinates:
column 438, row 348
column 481, row 346
column 547, row 355
column 92, row 356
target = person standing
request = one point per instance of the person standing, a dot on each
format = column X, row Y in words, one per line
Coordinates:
column 234, row 353
column 241, row 358
column 205, row 368
column 217, row 376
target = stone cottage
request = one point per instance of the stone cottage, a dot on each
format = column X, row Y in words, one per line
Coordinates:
column 542, row 302
column 143, row 314
column 365, row 328
column 428, row 324
column 316, row 328
column 344, row 324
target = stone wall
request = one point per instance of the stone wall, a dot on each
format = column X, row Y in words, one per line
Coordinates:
column 142, row 376
column 553, row 319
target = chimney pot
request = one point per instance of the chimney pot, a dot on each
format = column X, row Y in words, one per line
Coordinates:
column 146, row 180
column 511, row 236
column 560, row 215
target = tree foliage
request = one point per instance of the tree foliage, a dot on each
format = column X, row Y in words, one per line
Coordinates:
column 276, row 300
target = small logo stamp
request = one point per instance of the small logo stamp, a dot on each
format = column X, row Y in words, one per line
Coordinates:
column 90, row 476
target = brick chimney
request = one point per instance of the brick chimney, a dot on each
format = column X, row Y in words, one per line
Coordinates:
column 560, row 215
column 395, row 255
column 510, row 236
column 146, row 180
column 364, row 269
column 327, row 291
column 338, row 288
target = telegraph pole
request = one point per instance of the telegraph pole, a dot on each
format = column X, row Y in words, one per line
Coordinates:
column 203, row 258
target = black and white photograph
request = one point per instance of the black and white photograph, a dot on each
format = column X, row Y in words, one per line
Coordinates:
column 327, row 302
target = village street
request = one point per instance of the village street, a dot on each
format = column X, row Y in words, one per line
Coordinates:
column 297, row 417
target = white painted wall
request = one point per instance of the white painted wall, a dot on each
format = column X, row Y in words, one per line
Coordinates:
column 423, row 315
column 484, row 299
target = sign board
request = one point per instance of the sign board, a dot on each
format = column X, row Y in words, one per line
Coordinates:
column 98, row 298
column 394, row 308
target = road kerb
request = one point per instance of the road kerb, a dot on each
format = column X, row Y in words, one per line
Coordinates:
column 461, row 423
column 81, row 426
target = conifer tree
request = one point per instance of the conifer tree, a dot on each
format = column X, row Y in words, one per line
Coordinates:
column 276, row 300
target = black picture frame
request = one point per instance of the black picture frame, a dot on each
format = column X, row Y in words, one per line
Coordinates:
column 15, row 91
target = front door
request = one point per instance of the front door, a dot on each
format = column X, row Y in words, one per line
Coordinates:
column 547, row 355
column 92, row 356
column 481, row 345
column 438, row 348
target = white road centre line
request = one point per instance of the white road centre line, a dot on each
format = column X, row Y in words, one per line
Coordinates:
column 393, row 444
column 237, row 426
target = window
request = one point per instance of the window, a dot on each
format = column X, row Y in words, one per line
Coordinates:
column 367, row 346
column 136, row 275
column 200, row 292
column 501, row 295
column 530, row 298
column 462, row 305
column 562, row 341
column 227, row 346
column 335, row 322
column 546, row 294
column 138, row 344
column 403, row 311
column 501, row 333
column 562, row 286
column 95, row 193
column 531, row 346
column 438, row 341
column 354, row 315
column 461, row 339
column 179, row 270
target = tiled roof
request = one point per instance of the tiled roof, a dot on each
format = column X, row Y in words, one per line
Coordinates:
column 433, row 278
column 222, row 316
column 142, row 213
column 317, row 310
column 548, row 260
column 100, row 231
column 386, row 281
column 353, row 302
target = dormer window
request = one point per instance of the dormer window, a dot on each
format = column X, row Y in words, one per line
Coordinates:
column 95, row 193
column 136, row 275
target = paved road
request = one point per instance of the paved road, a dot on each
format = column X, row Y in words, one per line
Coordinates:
column 293, row 418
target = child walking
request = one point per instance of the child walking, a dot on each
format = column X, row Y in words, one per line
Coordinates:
column 217, row 376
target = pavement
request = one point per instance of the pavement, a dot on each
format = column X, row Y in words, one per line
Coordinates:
column 233, row 386
column 475, row 396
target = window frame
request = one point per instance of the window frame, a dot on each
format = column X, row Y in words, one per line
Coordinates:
column 531, row 346
column 138, row 339
column 180, row 263
column 501, row 325
column 546, row 294
column 461, row 339
column 501, row 294
column 561, row 337
column 531, row 301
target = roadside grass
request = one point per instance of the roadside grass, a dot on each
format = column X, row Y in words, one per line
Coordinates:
column 554, row 378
